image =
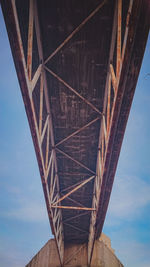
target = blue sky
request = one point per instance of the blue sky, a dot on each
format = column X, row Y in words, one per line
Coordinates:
column 24, row 225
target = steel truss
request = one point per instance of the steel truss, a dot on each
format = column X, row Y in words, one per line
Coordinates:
column 40, row 131
column 114, row 93
column 46, row 159
column 111, row 97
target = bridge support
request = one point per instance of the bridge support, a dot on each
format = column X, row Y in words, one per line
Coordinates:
column 76, row 255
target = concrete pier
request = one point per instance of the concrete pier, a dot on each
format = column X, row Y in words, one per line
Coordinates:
column 76, row 255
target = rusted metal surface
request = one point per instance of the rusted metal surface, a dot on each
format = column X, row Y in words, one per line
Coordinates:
column 73, row 90
column 41, row 105
column 28, row 84
column 76, row 161
column 108, row 141
column 113, row 78
column 77, row 76
column 52, row 169
column 119, row 32
column 76, row 216
column 73, row 190
column 30, row 41
column 76, row 132
column 75, row 31
column 136, row 27
column 72, row 208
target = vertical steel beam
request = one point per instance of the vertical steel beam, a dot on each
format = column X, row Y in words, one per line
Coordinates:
column 113, row 78
column 41, row 105
column 47, row 147
column 126, row 28
column 118, row 65
column 30, row 40
column 108, row 103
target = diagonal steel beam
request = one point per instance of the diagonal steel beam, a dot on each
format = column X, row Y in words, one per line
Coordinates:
column 76, row 132
column 76, row 228
column 76, row 202
column 74, row 190
column 74, row 254
column 76, row 161
column 75, row 31
column 36, row 77
column 76, row 216
column 45, row 127
column 71, row 186
column 73, row 90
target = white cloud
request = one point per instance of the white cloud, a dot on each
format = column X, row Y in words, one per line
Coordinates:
column 13, row 189
column 129, row 196
column 10, row 255
column 12, row 259
column 29, row 211
column 133, row 253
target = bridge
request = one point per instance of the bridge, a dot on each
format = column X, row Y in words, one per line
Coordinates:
column 77, row 63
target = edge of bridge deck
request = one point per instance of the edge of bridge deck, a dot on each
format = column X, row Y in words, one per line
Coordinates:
column 138, row 29
column 124, row 83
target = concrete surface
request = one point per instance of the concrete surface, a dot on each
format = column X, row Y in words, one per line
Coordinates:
column 76, row 255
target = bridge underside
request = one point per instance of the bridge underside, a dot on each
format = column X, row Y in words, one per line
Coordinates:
column 77, row 64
